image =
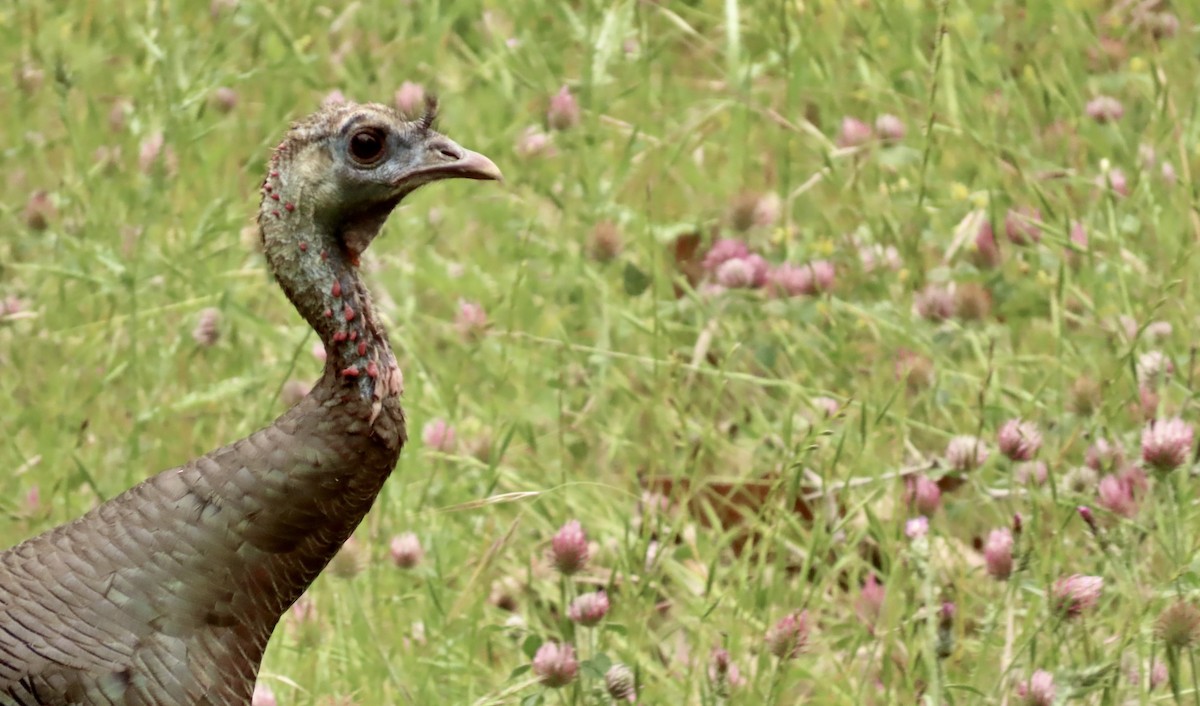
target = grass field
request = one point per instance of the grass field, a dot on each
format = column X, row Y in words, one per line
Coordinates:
column 989, row 210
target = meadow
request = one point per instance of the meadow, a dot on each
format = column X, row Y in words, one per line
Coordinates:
column 855, row 336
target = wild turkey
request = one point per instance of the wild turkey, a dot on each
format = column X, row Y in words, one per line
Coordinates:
column 168, row 593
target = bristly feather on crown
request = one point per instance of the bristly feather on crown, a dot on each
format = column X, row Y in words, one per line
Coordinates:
column 430, row 116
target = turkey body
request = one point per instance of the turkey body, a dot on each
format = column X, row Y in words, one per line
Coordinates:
column 167, row 594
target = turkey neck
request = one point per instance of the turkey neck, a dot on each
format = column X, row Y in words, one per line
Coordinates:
column 315, row 260
column 332, row 452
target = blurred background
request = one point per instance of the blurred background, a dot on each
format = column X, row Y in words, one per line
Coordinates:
column 757, row 270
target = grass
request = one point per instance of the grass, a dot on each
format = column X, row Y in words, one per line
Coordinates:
column 595, row 383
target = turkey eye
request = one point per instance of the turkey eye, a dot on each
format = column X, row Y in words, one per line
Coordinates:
column 366, row 146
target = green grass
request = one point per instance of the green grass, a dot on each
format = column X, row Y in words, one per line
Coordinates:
column 594, row 378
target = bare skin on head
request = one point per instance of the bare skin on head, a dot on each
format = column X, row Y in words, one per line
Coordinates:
column 168, row 593
column 315, row 228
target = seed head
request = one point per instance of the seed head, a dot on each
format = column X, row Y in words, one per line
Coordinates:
column 987, row 251
column 118, row 114
column 480, row 445
column 870, row 600
column 471, row 320
column 825, row 407
column 333, row 98
column 922, row 494
column 216, row 8
column 753, row 210
column 303, row 620
column 758, row 269
column 945, row 630
column 874, row 256
column 1127, row 325
column 28, row 77
column 504, row 593
column 1146, row 407
column 223, row 99
column 1079, row 235
column 1162, row 25
column 1166, row 443
column 1031, row 472
column 966, row 453
column 742, row 273
column 1158, row 674
column 1088, row 517
column 33, row 499
column 946, row 614
column 107, row 158
column 917, row 527
column 1158, row 330
column 972, row 301
column 1153, row 367
column 207, row 329
column 1114, row 180
column 788, row 637
column 304, row 610
column 350, row 560
column 569, row 549
column 439, row 435
column 890, row 128
column 1116, row 495
column 39, row 210
column 1104, row 109
column 790, row 281
column 767, row 210
column 998, row 553
column 1019, row 440
column 1076, row 594
column 534, row 142
column 853, row 133
column 723, row 250
column 1080, row 479
column 823, row 274
column 1179, row 625
column 293, row 391
column 935, row 302
column 150, row 150
column 1023, row 226
column 619, row 683
column 555, row 665
column 589, row 609
column 1038, row 691
column 563, row 113
column 1104, row 455
column 1135, row 479
column 410, row 99
column 1085, row 396
column 1168, row 173
column 741, row 211
column 406, row 550
column 723, row 674
column 796, row 280
column 1147, row 155
column 263, row 696
column 914, row 369
column 604, row 242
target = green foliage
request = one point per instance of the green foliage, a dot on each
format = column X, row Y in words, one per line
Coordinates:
column 600, row 384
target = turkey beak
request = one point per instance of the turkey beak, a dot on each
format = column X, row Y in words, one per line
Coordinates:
column 446, row 160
